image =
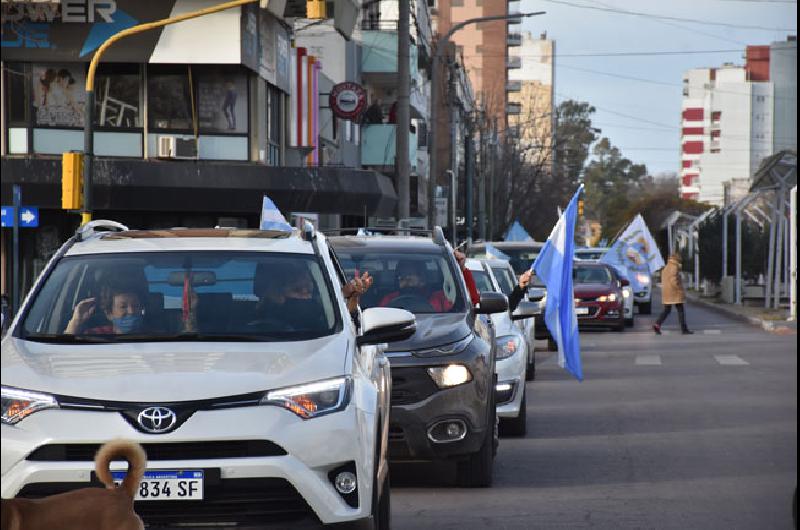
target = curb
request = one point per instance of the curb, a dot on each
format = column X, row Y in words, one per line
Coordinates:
column 773, row 326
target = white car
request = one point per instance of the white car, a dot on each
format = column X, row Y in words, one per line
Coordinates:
column 506, row 280
column 512, row 355
column 230, row 355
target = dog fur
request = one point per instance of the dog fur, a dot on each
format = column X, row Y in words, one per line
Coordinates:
column 87, row 508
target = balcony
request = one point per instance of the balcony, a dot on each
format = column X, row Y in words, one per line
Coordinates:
column 379, row 57
column 378, row 145
column 514, row 85
column 514, row 10
column 514, row 62
column 514, row 39
column 513, row 109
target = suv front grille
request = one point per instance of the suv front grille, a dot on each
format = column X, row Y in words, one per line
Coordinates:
column 164, row 451
column 238, row 501
column 410, row 385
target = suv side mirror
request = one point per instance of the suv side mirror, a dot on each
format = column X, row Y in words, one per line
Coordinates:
column 385, row 324
column 525, row 309
column 492, row 303
column 625, row 282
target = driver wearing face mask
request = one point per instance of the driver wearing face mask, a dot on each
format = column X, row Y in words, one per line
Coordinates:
column 120, row 312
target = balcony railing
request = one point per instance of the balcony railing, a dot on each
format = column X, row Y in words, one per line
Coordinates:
column 513, row 109
column 514, row 39
column 514, row 62
column 514, row 85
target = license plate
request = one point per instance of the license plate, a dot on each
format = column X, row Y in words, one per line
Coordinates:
column 165, row 485
column 581, row 310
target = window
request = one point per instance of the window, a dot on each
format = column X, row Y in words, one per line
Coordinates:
column 482, row 281
column 274, row 121
column 118, row 102
column 222, row 100
column 505, row 279
column 17, row 95
column 169, row 100
column 59, row 98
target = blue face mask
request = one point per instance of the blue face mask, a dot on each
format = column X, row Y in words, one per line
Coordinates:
column 128, row 323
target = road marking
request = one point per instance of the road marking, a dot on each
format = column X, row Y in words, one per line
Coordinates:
column 712, row 332
column 648, row 360
column 731, row 360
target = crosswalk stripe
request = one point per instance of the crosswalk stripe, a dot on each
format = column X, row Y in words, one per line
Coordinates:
column 712, row 332
column 648, row 360
column 732, row 360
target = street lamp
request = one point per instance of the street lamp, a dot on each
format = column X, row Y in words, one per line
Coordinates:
column 437, row 55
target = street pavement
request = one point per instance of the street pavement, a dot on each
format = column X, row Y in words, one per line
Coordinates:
column 665, row 432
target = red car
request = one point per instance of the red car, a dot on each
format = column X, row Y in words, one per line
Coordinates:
column 598, row 296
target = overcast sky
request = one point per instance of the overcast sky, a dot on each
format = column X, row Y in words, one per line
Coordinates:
column 642, row 116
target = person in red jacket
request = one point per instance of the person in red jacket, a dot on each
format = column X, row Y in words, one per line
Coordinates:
column 412, row 282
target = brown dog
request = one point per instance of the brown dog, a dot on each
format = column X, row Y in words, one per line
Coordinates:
column 86, row 508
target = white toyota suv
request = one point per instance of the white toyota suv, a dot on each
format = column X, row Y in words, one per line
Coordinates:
column 230, row 355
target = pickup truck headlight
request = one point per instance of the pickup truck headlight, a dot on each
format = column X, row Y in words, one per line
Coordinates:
column 19, row 404
column 450, row 375
column 507, row 345
column 313, row 399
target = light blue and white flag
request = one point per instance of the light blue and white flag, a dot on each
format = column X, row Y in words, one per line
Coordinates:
column 517, row 233
column 636, row 251
column 554, row 267
column 493, row 252
column 272, row 218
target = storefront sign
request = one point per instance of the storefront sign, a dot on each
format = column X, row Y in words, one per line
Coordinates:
column 347, row 100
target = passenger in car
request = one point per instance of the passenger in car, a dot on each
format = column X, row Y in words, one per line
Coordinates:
column 121, row 311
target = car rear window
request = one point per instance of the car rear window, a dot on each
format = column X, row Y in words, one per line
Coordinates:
column 163, row 295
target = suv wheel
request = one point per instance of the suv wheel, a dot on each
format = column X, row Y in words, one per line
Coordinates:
column 382, row 506
column 517, row 426
column 476, row 470
column 530, row 370
column 645, row 309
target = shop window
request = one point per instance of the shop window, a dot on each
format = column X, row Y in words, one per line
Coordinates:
column 17, row 87
column 118, row 103
column 275, row 110
column 59, row 98
column 169, row 98
column 222, row 101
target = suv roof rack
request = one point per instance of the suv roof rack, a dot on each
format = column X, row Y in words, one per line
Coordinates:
column 437, row 234
column 95, row 228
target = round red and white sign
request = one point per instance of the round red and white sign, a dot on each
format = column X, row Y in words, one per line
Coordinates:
column 347, row 100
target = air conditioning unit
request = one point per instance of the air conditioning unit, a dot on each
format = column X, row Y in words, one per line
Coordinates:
column 172, row 147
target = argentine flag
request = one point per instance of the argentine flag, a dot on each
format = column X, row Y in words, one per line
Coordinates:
column 636, row 251
column 272, row 218
column 554, row 267
column 494, row 253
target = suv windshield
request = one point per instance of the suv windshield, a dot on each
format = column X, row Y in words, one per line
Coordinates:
column 594, row 275
column 182, row 296
column 416, row 281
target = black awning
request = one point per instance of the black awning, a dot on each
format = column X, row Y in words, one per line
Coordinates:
column 206, row 186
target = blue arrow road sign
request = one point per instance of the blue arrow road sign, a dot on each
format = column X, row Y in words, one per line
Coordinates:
column 28, row 216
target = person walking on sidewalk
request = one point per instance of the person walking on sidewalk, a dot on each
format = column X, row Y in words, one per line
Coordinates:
column 672, row 294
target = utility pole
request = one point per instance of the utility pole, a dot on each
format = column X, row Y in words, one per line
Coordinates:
column 492, row 169
column 438, row 52
column 403, row 164
column 482, row 180
column 469, row 154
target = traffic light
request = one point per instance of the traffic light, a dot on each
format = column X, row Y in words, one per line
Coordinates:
column 580, row 207
column 72, row 181
column 316, row 9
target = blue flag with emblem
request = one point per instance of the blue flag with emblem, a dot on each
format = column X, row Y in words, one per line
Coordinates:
column 553, row 266
column 494, row 253
column 272, row 218
column 636, row 251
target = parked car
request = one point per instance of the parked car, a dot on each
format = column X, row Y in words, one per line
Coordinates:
column 506, row 280
column 230, row 355
column 512, row 354
column 598, row 296
column 443, row 377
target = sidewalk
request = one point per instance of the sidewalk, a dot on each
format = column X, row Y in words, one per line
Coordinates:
column 768, row 319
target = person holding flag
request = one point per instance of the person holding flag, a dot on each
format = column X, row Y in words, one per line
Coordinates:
column 554, row 267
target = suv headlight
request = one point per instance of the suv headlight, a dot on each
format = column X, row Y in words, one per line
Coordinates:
column 445, row 349
column 507, row 345
column 313, row 399
column 450, row 375
column 643, row 279
column 607, row 298
column 19, row 404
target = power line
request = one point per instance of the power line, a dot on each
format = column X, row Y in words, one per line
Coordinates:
column 668, row 17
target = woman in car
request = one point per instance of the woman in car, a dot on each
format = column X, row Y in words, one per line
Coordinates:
column 121, row 311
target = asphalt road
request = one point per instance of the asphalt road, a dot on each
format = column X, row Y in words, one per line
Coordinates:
column 665, row 432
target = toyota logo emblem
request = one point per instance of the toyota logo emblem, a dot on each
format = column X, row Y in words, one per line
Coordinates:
column 156, row 419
